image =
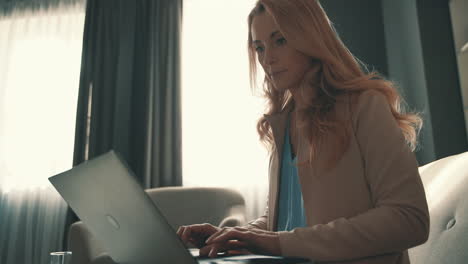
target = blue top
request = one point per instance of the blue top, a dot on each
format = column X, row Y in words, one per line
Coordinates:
column 291, row 212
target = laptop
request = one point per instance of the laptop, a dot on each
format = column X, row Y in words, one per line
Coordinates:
column 104, row 194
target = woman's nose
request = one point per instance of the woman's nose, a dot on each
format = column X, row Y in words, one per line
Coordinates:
column 269, row 58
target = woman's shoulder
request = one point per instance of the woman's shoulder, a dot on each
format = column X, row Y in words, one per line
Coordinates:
column 363, row 97
column 358, row 100
column 369, row 99
column 356, row 105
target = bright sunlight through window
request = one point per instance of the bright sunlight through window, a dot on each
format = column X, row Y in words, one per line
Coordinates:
column 220, row 142
column 38, row 108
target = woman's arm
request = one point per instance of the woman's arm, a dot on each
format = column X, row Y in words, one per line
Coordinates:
column 261, row 222
column 400, row 218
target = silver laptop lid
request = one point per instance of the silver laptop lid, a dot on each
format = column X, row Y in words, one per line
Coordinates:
column 105, row 195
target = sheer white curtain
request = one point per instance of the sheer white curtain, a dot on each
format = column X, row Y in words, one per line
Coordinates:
column 40, row 55
column 219, row 112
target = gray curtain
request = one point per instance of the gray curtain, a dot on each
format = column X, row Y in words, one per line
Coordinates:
column 129, row 94
column 130, row 87
column 421, row 57
column 411, row 43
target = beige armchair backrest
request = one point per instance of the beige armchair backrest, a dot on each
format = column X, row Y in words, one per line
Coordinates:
column 190, row 205
column 446, row 185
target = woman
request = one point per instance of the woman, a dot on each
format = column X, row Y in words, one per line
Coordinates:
column 344, row 182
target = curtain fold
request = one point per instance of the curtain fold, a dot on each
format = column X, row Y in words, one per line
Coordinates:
column 421, row 57
column 129, row 95
column 130, row 87
column 40, row 46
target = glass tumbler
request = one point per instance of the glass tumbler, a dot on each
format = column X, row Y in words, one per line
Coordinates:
column 61, row 257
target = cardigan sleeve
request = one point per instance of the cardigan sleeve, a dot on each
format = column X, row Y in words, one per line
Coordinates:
column 399, row 219
column 259, row 223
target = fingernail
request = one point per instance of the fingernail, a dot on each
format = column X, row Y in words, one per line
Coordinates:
column 211, row 253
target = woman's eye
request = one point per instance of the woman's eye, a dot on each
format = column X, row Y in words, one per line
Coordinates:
column 282, row 40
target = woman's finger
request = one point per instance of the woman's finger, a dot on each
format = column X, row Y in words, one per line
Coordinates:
column 225, row 247
column 255, row 230
column 232, row 244
column 186, row 234
column 231, row 234
column 235, row 252
column 205, row 250
column 179, row 231
column 214, row 249
column 197, row 242
column 218, row 233
column 225, row 230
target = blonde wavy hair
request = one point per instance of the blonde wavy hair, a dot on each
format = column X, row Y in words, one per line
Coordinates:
column 336, row 71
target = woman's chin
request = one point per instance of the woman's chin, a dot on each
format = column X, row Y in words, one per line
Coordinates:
column 280, row 88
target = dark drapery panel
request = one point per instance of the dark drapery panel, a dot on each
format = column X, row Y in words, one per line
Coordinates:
column 421, row 57
column 410, row 42
column 129, row 94
column 360, row 26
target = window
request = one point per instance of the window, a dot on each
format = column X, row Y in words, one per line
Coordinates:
column 219, row 113
column 39, row 77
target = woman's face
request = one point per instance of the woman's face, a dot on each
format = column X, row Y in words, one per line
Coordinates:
column 275, row 55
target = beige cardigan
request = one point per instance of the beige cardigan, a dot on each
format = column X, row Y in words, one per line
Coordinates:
column 370, row 208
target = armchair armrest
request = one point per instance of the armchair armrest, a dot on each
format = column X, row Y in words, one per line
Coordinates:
column 84, row 246
column 104, row 258
column 231, row 221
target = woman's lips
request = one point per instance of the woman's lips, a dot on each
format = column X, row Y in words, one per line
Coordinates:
column 277, row 74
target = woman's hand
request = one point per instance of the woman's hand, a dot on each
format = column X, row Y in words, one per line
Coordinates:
column 196, row 234
column 256, row 241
